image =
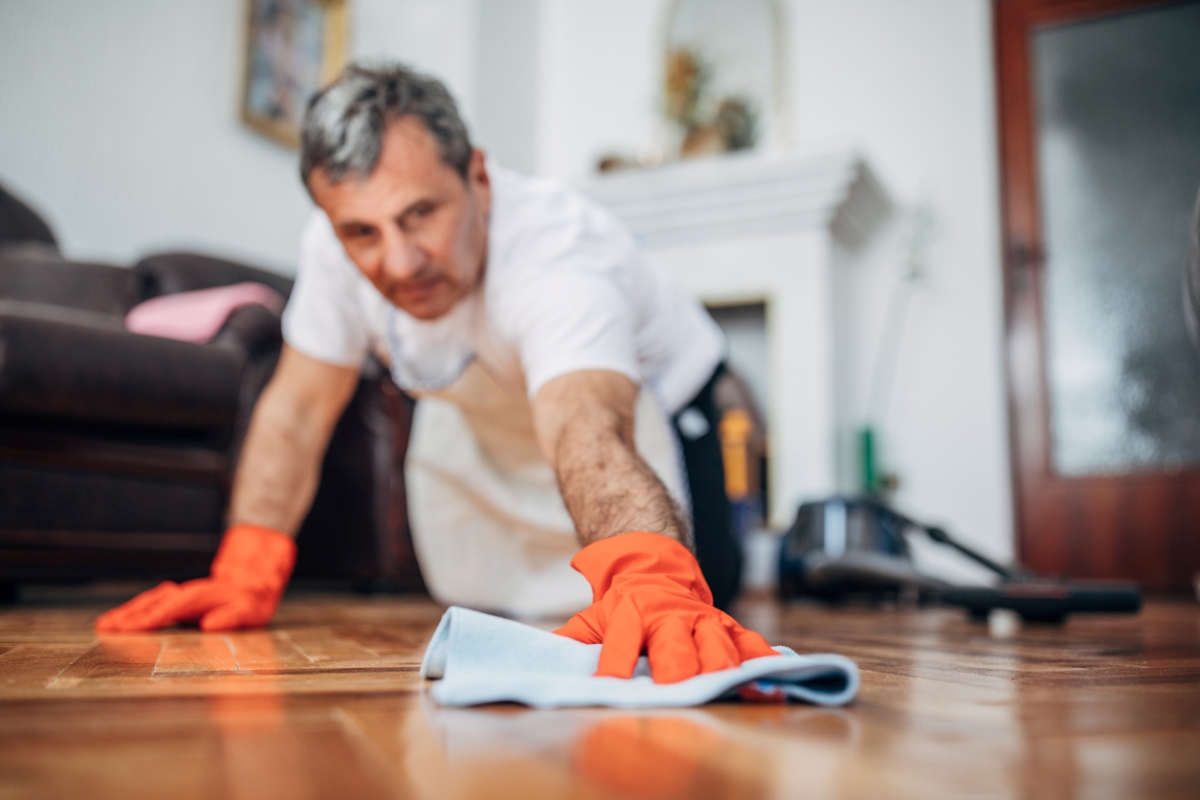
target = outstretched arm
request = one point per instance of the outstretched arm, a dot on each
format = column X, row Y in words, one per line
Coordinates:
column 280, row 463
column 584, row 425
column 650, row 594
column 276, row 479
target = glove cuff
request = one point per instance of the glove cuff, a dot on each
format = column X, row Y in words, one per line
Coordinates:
column 255, row 558
column 628, row 555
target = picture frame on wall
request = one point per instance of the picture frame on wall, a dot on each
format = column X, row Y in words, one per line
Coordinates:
column 292, row 49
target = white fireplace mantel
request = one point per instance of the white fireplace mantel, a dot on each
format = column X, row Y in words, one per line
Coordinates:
column 754, row 228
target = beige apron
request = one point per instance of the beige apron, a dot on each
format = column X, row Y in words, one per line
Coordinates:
column 488, row 522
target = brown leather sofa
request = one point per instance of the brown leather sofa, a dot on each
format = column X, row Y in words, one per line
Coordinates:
column 117, row 451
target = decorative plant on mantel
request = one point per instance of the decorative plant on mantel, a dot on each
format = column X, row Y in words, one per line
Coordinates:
column 706, row 122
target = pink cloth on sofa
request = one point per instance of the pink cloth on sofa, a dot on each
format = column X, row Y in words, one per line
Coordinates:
column 197, row 316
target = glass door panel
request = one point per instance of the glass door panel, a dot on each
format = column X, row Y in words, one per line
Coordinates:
column 1118, row 137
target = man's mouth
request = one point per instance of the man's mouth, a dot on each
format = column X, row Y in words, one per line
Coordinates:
column 416, row 290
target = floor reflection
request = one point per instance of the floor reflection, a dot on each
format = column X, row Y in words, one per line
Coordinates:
column 664, row 757
column 725, row 750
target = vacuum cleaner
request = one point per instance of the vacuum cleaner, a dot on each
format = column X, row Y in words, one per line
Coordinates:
column 845, row 547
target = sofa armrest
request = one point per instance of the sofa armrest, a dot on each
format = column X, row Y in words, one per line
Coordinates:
column 253, row 328
column 38, row 275
column 51, row 368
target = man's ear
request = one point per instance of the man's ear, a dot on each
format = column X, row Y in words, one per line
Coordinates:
column 477, row 174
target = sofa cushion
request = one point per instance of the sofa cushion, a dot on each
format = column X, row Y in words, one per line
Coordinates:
column 196, row 316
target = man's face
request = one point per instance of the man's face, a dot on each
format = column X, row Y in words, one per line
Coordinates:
column 414, row 227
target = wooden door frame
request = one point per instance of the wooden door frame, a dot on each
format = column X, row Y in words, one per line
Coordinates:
column 1054, row 515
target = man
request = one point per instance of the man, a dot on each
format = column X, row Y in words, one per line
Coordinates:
column 546, row 355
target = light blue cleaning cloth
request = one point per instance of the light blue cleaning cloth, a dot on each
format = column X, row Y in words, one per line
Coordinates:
column 484, row 659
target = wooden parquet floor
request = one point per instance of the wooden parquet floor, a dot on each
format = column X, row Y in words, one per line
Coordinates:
column 327, row 703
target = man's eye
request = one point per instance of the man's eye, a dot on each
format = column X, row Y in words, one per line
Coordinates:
column 422, row 211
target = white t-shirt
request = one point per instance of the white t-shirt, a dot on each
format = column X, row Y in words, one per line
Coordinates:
column 565, row 289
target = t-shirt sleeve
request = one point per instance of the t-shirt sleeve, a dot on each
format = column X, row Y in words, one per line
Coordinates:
column 568, row 321
column 323, row 318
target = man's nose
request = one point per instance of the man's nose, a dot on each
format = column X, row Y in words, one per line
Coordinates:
column 403, row 258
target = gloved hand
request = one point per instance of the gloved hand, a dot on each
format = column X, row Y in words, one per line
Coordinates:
column 648, row 591
column 248, row 575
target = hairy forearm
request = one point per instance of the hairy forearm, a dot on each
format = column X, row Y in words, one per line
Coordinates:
column 279, row 469
column 281, row 458
column 609, row 489
column 585, row 423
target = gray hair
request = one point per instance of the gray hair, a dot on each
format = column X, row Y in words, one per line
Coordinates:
column 345, row 122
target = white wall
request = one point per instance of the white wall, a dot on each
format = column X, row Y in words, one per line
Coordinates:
column 119, row 120
column 599, row 81
column 507, row 69
column 910, row 84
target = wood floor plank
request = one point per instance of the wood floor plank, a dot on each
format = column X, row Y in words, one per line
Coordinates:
column 113, row 658
column 194, row 654
column 260, row 651
column 303, row 760
column 402, row 642
column 327, row 650
column 237, row 751
column 35, row 666
column 306, row 682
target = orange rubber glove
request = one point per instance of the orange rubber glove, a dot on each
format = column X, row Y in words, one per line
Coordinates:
column 248, row 575
column 649, row 592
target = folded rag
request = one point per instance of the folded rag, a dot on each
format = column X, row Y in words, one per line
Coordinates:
column 484, row 659
column 198, row 315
